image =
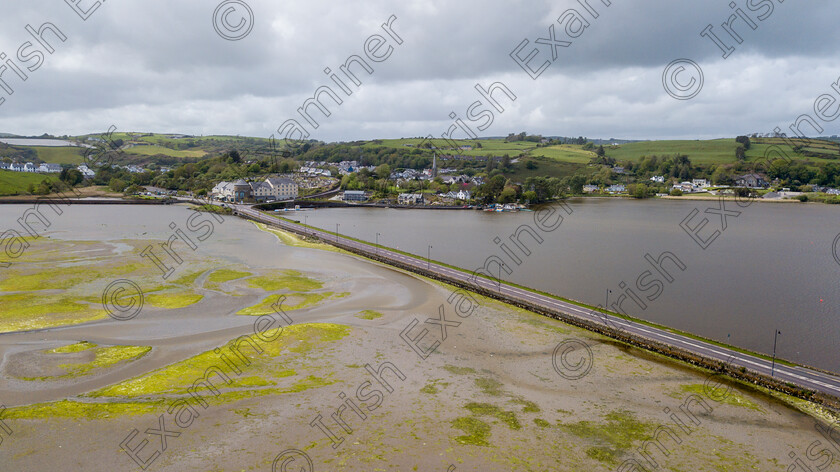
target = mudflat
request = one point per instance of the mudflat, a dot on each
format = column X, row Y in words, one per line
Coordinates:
column 261, row 362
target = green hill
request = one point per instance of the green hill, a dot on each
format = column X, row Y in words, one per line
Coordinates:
column 17, row 183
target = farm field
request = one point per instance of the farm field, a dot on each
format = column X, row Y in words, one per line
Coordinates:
column 700, row 152
column 564, row 153
column 15, row 183
column 830, row 150
column 489, row 147
column 547, row 167
column 60, row 155
column 155, row 150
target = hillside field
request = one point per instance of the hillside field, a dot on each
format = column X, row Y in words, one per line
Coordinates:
column 60, row 155
column 155, row 150
column 15, row 183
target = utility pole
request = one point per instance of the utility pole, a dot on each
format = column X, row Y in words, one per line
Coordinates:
column 429, row 258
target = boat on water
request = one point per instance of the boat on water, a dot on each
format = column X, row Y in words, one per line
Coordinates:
column 296, row 208
column 498, row 208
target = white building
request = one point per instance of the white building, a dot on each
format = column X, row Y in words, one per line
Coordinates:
column 86, row 171
column 410, row 199
column 275, row 189
column 618, row 188
column 271, row 189
column 49, row 168
column 223, row 191
column 354, row 196
column 660, row 179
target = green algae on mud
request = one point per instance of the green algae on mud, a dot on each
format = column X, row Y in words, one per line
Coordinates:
column 71, row 348
column 188, row 279
column 82, row 410
column 431, row 388
column 301, row 300
column 220, row 276
column 177, row 378
column 369, row 315
column 477, row 431
column 106, row 357
column 293, row 240
column 731, row 398
column 103, row 358
column 173, row 301
column 150, row 393
column 486, row 409
column 489, row 386
column 290, row 280
column 29, row 311
column 613, row 438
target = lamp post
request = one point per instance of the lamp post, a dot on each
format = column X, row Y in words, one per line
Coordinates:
column 429, row 258
column 336, row 231
column 377, row 244
column 607, row 301
column 305, row 218
column 773, row 366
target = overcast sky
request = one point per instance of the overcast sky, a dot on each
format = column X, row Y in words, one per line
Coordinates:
column 155, row 65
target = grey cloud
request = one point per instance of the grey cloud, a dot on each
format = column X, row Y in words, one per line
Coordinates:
column 157, row 65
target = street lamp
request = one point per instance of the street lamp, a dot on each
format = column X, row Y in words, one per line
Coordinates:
column 775, row 336
column 305, row 218
column 607, row 301
column 377, row 244
column 336, row 231
column 429, row 258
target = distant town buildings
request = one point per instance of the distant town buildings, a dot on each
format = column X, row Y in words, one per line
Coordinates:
column 49, row 168
column 617, row 188
column 751, row 181
column 87, row 172
column 463, row 195
column 410, row 199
